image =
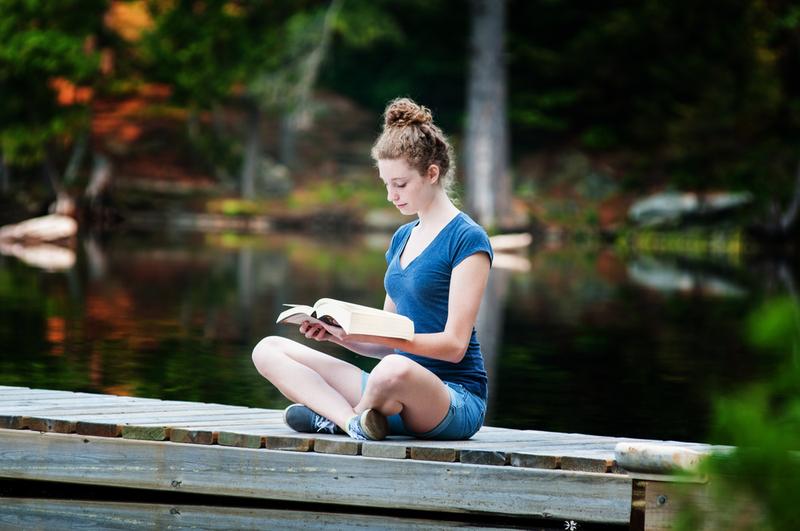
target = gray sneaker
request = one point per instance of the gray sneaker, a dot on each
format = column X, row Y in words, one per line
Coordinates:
column 301, row 418
column 370, row 425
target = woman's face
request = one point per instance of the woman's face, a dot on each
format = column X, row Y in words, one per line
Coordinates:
column 406, row 188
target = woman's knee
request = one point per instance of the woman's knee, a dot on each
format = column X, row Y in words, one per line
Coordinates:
column 392, row 373
column 267, row 352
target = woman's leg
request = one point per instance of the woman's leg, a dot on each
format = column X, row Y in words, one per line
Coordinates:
column 329, row 386
column 400, row 385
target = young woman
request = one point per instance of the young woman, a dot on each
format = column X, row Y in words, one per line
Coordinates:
column 434, row 385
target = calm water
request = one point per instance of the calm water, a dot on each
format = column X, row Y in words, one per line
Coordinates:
column 576, row 338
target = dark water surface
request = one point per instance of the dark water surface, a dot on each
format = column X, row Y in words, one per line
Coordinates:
column 577, row 338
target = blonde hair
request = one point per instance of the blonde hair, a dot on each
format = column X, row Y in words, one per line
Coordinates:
column 409, row 133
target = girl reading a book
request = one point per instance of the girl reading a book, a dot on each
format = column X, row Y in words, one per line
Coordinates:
column 434, row 385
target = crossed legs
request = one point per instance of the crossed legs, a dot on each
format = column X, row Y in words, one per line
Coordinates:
column 332, row 387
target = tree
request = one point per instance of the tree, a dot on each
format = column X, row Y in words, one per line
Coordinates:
column 262, row 56
column 700, row 96
column 486, row 143
column 47, row 49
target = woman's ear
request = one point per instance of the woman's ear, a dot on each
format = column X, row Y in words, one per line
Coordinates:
column 433, row 173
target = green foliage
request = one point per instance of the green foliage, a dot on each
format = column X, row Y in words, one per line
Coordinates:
column 763, row 422
column 704, row 94
column 39, row 42
column 417, row 48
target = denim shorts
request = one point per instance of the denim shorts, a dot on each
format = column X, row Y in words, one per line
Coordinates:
column 464, row 418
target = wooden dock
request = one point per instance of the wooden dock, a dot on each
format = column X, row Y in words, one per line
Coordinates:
column 223, row 450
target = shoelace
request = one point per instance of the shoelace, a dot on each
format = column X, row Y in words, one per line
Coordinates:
column 354, row 430
column 322, row 424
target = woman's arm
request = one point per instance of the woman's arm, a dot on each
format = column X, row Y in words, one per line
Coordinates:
column 366, row 347
column 467, row 284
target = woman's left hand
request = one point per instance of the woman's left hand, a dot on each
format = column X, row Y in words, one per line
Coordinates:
column 322, row 331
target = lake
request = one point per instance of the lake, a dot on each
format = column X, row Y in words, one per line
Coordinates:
column 577, row 337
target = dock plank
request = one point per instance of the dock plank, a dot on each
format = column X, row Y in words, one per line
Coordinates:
column 38, row 513
column 310, row 477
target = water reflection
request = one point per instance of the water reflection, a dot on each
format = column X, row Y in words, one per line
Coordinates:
column 667, row 276
column 581, row 339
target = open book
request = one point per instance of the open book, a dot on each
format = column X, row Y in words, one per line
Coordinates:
column 353, row 318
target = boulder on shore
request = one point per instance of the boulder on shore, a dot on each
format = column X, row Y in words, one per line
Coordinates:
column 671, row 207
column 42, row 229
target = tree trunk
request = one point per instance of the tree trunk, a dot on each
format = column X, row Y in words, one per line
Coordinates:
column 288, row 132
column 252, row 151
column 99, row 179
column 298, row 116
column 76, row 159
column 486, row 146
column 64, row 204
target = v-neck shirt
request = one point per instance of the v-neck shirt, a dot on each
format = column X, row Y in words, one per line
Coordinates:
column 421, row 292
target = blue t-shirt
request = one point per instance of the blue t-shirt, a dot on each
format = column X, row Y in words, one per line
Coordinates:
column 421, row 292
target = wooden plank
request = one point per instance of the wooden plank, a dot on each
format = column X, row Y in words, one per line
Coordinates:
column 160, row 431
column 42, row 513
column 13, row 406
column 386, row 451
column 484, row 457
column 154, row 417
column 98, row 406
column 208, row 434
column 137, row 412
column 240, row 440
column 316, row 478
column 111, row 426
column 566, row 458
column 99, row 429
column 114, row 429
column 145, row 433
column 433, row 453
column 289, row 443
column 342, row 445
column 534, row 460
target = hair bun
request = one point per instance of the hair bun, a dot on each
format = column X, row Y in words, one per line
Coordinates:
column 403, row 111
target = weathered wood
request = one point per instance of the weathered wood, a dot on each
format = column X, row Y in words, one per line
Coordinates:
column 100, row 407
column 209, row 434
column 291, row 443
column 340, row 445
column 38, row 513
column 240, row 440
column 433, row 453
column 48, row 424
column 13, row 422
column 586, row 464
column 192, row 436
column 386, row 451
column 315, row 477
column 99, row 429
column 145, row 433
column 484, row 457
column 665, row 503
column 533, row 460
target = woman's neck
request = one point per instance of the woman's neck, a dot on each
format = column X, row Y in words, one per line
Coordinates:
column 438, row 212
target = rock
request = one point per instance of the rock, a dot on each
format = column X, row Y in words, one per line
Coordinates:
column 510, row 242
column 46, row 228
column 671, row 207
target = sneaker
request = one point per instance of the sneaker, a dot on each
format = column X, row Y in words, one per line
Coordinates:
column 370, row 425
column 302, row 419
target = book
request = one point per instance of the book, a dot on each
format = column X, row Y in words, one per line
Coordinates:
column 352, row 318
